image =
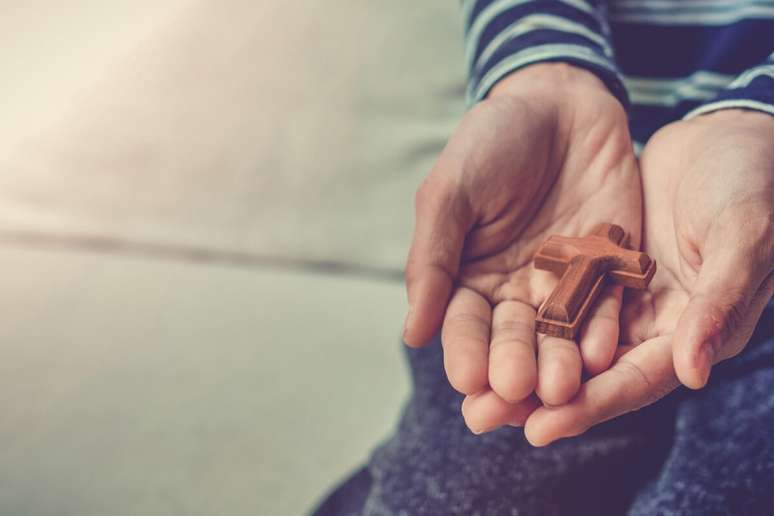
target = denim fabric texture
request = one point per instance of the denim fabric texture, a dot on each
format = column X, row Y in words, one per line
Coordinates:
column 692, row 453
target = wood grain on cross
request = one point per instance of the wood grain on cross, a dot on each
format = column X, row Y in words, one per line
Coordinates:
column 583, row 264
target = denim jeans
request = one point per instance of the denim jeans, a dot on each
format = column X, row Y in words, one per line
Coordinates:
column 707, row 452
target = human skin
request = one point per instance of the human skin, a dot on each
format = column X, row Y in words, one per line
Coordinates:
column 708, row 187
column 548, row 152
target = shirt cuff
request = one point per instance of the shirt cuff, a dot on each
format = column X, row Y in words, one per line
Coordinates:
column 504, row 36
column 754, row 90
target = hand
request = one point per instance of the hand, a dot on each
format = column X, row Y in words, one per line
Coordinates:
column 709, row 213
column 547, row 153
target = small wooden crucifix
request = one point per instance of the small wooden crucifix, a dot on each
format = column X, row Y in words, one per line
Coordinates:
column 583, row 264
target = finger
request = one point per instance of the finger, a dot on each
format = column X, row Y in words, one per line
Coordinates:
column 639, row 378
column 559, row 370
column 720, row 316
column 486, row 411
column 599, row 335
column 512, row 361
column 442, row 221
column 465, row 339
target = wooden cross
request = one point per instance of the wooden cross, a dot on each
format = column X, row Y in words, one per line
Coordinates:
column 583, row 264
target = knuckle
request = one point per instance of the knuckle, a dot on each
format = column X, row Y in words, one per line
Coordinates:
column 647, row 390
column 514, row 328
column 639, row 382
column 512, row 334
column 466, row 324
column 727, row 318
column 735, row 316
column 566, row 355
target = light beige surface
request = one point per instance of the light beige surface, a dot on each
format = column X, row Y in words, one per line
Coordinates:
column 134, row 387
column 236, row 133
column 279, row 128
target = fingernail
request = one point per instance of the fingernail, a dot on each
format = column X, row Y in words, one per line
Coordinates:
column 474, row 429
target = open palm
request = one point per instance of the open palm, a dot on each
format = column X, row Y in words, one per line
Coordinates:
column 528, row 162
column 709, row 207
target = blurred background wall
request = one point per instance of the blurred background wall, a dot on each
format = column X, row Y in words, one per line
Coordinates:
column 204, row 212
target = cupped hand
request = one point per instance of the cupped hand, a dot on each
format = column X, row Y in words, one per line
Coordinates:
column 709, row 218
column 548, row 152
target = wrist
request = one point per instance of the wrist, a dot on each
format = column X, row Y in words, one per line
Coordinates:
column 548, row 78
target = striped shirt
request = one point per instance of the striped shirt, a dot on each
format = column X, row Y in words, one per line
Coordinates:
column 663, row 59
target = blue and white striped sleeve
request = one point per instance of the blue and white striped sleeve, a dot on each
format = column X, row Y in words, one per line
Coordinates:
column 753, row 89
column 502, row 36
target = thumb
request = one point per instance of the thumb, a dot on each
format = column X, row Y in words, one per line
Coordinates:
column 442, row 222
column 722, row 311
